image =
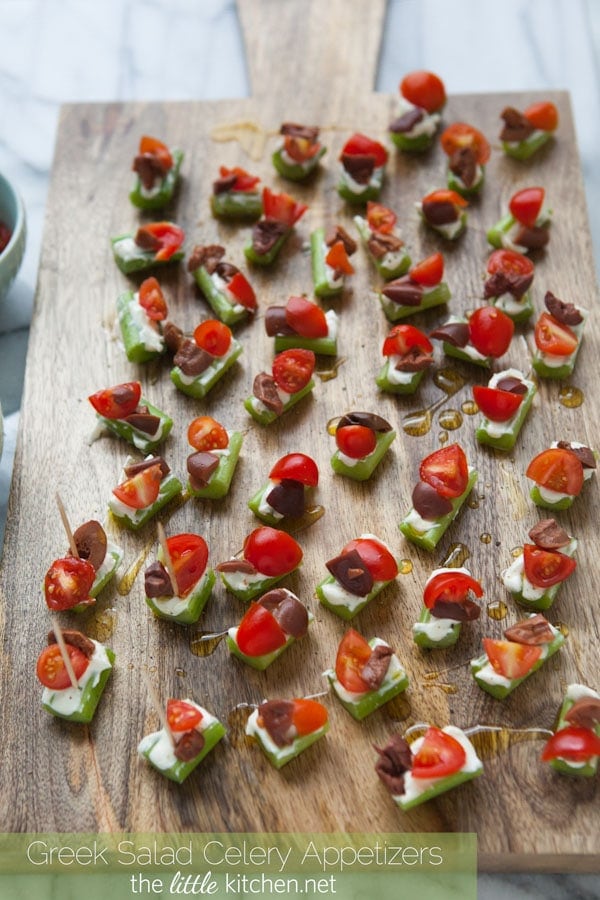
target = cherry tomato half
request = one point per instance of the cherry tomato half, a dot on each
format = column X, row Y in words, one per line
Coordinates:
column 205, row 433
column 243, row 180
column 460, row 135
column 557, row 470
column 213, row 336
column 308, row 716
column 51, row 669
column 510, row 263
column 243, row 291
column 429, row 271
column 376, row 557
column 140, row 490
column 573, row 744
column 153, row 300
column 300, row 149
column 451, row 586
column 306, row 318
column 491, row 331
column 380, row 218
column 117, row 402
column 361, row 145
column 282, row 207
column 543, row 568
column 543, row 115
column 272, row 552
column 525, row 205
column 509, row 659
column 338, row 259
column 495, row 404
column 439, row 755
column 182, row 716
column 153, row 147
column 297, row 467
column 355, row 441
column 446, row 470
column 424, row 89
column 170, row 236
column 292, row 369
column 189, row 555
column 68, row 582
column 259, row 632
column 352, row 656
column 445, row 195
column 553, row 337
column 402, row 338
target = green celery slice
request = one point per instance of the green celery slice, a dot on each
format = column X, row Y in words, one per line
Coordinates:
column 90, row 696
column 296, row 171
column 507, row 440
column 440, row 787
column 524, row 314
column 200, row 386
column 220, row 480
column 435, row 297
column 370, row 191
column 367, row 703
column 524, row 149
column 364, row 468
column 255, row 502
column 500, row 691
column 266, row 259
column 195, row 602
column 221, row 305
column 142, row 260
column 427, row 642
column 237, row 205
column 135, row 349
column 564, row 766
column 429, row 539
column 549, row 596
column 439, row 229
column 261, row 586
column 324, row 346
column 417, row 144
column 563, row 503
column 140, row 439
column 386, row 272
column 284, row 755
column 318, row 252
column 455, row 184
column 267, row 416
column 163, row 196
column 344, row 612
column 179, row 771
column 383, row 382
column 170, row 487
column 116, row 555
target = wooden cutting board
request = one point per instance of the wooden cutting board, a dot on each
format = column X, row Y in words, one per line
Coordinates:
column 63, row 777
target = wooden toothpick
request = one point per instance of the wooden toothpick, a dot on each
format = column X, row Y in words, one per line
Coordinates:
column 64, row 653
column 67, row 527
column 160, row 709
column 162, row 540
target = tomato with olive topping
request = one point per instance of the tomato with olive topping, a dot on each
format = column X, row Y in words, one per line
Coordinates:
column 403, row 338
column 445, row 195
column 189, row 555
column 355, row 441
column 451, row 586
column 542, row 115
column 141, row 490
column 282, row 207
column 376, row 557
column 182, row 716
column 68, row 583
column 243, row 180
column 429, row 271
column 300, row 149
column 459, row 136
column 553, row 337
column 424, row 89
column 205, row 433
column 526, row 205
column 259, row 632
column 337, row 258
column 306, row 318
column 296, row 467
column 439, row 755
column 152, row 299
column 380, row 218
column 509, row 262
column 361, row 145
column 544, row 568
column 491, row 331
column 213, row 336
column 293, row 369
column 242, row 290
column 117, row 402
column 557, row 470
column 573, row 744
column 169, row 236
column 272, row 552
column 497, row 405
column 308, row 716
column 510, row 659
column 352, row 656
column 51, row 669
column 446, row 470
column 150, row 146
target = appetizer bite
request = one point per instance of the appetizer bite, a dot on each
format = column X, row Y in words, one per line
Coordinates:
column 280, row 214
column 216, row 452
column 178, row 584
column 276, row 393
column 146, row 487
column 574, row 749
column 141, row 314
column 526, row 227
column 422, row 98
column 155, row 244
column 446, row 480
column 363, row 165
column 524, row 133
column 408, row 353
column 366, row 675
column 74, row 670
column 444, row 212
column 421, row 289
column 330, row 259
column 535, row 576
column 510, row 277
column 234, row 196
column 505, row 664
column 301, row 323
column 123, row 411
column 268, row 555
column 484, row 337
column 226, row 290
column 270, row 625
column 157, row 168
column 361, row 571
column 504, row 404
column 468, row 151
column 431, row 765
column 189, row 733
column 558, row 335
column 384, row 245
column 300, row 153
column 202, row 361
column 284, row 495
column 446, row 605
column 362, row 440
column 285, row 728
column 559, row 474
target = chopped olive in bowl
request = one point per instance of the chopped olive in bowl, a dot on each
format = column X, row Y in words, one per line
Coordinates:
column 12, row 234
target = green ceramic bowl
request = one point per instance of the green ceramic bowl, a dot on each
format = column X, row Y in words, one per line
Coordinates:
column 12, row 213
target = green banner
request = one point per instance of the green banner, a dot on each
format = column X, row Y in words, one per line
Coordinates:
column 341, row 866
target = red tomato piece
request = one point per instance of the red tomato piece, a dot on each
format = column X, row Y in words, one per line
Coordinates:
column 308, row 716
column 557, row 470
column 153, row 300
column 296, row 467
column 213, row 336
column 445, row 195
column 355, row 441
column 380, row 218
column 525, row 205
column 574, row 744
column 451, row 586
column 337, row 258
column 300, row 149
column 403, row 338
column 544, row 568
column 205, row 433
column 259, row 632
column 553, row 337
column 306, row 318
column 117, row 402
column 5, row 236
column 510, row 263
column 361, row 145
column 509, row 659
column 153, row 147
column 272, row 552
column 439, row 755
column 352, row 656
column 170, row 236
column 424, row 89
column 293, row 369
column 376, row 557
column 182, row 716
column 243, row 291
column 51, row 669
column 543, row 115
column 282, row 207
column 429, row 271
column 189, row 555
column 491, row 331
column 495, row 404
column 141, row 490
column 243, row 180
column 446, row 470
column 460, row 135
column 68, row 582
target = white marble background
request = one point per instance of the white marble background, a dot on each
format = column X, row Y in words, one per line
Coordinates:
column 57, row 51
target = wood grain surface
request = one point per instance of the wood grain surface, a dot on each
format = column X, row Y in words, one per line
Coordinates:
column 58, row 776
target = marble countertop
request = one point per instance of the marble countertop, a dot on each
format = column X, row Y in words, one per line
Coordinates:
column 57, row 51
